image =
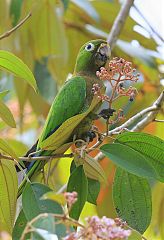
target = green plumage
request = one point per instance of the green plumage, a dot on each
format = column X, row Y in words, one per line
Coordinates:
column 74, row 97
column 69, row 102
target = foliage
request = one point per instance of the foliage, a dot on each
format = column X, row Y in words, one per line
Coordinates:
column 45, row 48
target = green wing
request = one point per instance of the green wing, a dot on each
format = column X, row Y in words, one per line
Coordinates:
column 68, row 102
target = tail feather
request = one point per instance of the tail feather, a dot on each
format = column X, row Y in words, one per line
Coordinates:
column 35, row 168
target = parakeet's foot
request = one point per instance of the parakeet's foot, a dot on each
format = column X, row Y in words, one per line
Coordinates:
column 106, row 113
column 89, row 136
column 85, row 138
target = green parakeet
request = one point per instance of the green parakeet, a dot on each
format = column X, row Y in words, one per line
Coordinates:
column 74, row 97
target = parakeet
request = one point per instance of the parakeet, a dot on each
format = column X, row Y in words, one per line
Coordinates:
column 74, row 97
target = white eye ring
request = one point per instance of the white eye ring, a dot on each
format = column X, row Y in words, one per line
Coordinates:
column 89, row 47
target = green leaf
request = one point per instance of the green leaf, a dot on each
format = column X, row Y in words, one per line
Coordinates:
column 7, row 149
column 72, row 167
column 15, row 11
column 43, row 235
column 132, row 199
column 65, row 3
column 4, row 93
column 78, row 183
column 93, row 186
column 8, row 195
column 19, row 147
column 46, row 223
column 45, row 81
column 93, row 190
column 13, row 64
column 46, row 228
column 32, row 196
column 129, row 159
column 151, row 147
column 22, row 92
column 19, row 226
column 6, row 115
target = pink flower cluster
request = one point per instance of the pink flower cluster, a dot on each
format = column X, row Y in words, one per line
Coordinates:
column 96, row 90
column 101, row 228
column 71, row 198
column 119, row 70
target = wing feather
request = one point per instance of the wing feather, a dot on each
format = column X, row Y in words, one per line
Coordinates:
column 68, row 102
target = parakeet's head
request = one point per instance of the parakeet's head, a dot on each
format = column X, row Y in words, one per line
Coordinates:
column 92, row 55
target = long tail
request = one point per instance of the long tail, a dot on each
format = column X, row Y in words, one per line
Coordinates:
column 37, row 165
column 31, row 168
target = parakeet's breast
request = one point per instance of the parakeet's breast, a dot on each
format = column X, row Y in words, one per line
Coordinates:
column 90, row 81
column 87, row 123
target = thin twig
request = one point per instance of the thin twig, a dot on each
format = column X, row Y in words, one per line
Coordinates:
column 62, row 189
column 42, row 158
column 63, row 217
column 9, row 32
column 132, row 120
column 151, row 114
column 159, row 120
column 125, row 125
column 144, row 238
column 119, row 22
column 17, row 163
column 22, row 170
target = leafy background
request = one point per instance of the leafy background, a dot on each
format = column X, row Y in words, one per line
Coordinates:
column 48, row 43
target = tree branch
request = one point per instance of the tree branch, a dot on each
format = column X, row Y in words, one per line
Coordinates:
column 41, row 158
column 132, row 120
column 151, row 112
column 9, row 32
column 119, row 22
column 151, row 116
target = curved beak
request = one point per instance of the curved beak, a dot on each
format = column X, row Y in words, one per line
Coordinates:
column 103, row 54
column 104, row 50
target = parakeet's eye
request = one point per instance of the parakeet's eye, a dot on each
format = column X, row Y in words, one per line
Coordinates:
column 90, row 47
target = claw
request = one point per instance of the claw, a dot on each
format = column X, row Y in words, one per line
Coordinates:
column 89, row 136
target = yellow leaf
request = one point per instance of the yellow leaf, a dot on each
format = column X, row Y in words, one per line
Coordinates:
column 91, row 167
column 8, row 195
column 7, row 149
column 45, row 29
column 63, row 148
column 55, row 197
column 15, row 65
column 6, row 115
